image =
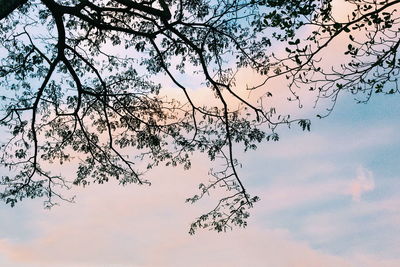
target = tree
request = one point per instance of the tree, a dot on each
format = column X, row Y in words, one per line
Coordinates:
column 79, row 80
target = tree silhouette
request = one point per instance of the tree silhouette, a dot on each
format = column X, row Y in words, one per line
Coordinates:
column 80, row 82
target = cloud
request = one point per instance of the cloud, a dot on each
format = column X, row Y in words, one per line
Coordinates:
column 331, row 141
column 158, row 233
column 140, row 227
column 252, row 247
column 136, row 227
column 364, row 182
column 285, row 196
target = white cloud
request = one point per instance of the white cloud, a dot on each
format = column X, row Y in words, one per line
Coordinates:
column 331, row 141
column 364, row 182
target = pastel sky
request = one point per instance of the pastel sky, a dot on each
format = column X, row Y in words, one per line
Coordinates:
column 329, row 198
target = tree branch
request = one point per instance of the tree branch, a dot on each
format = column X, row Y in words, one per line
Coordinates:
column 8, row 6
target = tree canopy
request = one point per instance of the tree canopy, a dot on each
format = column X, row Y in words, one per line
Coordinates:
column 80, row 85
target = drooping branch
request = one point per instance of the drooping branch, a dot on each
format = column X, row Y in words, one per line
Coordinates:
column 103, row 105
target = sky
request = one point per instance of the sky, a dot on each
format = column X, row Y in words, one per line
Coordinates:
column 329, row 197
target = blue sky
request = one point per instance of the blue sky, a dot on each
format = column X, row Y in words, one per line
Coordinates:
column 357, row 144
column 329, row 197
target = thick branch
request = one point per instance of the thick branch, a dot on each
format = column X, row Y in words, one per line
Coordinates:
column 8, row 6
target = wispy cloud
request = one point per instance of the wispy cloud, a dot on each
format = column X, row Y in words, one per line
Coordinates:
column 332, row 141
column 362, row 183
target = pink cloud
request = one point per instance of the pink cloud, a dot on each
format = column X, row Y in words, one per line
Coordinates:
column 130, row 226
column 364, row 182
